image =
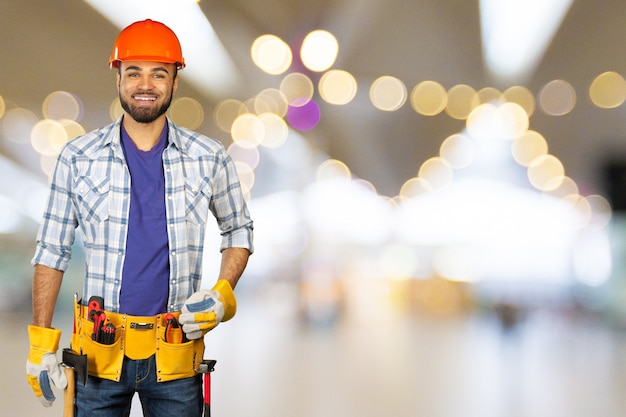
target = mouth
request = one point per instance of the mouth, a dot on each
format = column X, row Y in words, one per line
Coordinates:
column 144, row 98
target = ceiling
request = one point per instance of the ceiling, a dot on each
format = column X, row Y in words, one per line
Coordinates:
column 64, row 45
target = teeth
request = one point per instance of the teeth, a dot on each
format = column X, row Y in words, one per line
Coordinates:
column 145, row 98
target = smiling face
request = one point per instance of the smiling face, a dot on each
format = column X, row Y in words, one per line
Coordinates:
column 146, row 89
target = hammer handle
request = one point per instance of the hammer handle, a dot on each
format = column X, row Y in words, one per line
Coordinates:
column 68, row 395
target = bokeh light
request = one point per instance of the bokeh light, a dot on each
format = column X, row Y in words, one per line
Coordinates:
column 437, row 171
column 62, row 105
column 462, row 100
column 186, row 112
column 2, row 106
column 505, row 121
column 522, row 96
column 481, row 122
column 337, row 87
column 510, row 120
column 415, row 187
column 566, row 189
column 271, row 100
column 429, row 98
column 276, row 130
column 601, row 212
column 48, row 137
column 557, row 98
column 72, row 128
column 319, row 50
column 457, row 150
column 608, row 90
column 248, row 131
column 490, row 95
column 388, row 93
column 271, row 54
column 303, row 114
column 296, row 86
column 528, row 147
column 226, row 112
column 546, row 172
column 115, row 110
column 332, row 169
column 17, row 124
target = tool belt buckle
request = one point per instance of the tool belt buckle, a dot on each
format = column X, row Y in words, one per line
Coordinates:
column 141, row 326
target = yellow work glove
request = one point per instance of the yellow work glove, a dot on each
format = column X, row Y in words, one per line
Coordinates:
column 42, row 365
column 205, row 309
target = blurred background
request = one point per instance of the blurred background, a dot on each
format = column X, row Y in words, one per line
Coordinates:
column 437, row 190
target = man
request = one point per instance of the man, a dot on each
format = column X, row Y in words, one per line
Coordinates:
column 140, row 191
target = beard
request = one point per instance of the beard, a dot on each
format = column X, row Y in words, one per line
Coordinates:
column 144, row 114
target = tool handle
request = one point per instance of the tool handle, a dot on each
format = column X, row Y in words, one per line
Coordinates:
column 207, row 394
column 68, row 394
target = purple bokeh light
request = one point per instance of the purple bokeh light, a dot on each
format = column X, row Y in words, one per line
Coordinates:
column 303, row 114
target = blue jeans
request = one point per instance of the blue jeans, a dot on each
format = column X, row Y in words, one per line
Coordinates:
column 105, row 398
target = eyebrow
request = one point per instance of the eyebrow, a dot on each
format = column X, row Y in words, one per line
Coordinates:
column 154, row 69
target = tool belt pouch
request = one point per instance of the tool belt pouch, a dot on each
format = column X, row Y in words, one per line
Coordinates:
column 176, row 360
column 137, row 338
column 103, row 361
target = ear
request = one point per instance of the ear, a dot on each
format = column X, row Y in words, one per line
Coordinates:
column 117, row 80
column 175, row 85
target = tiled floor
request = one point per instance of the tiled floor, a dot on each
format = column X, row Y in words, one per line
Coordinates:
column 269, row 364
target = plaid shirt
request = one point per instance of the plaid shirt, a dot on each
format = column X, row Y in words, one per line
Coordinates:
column 90, row 189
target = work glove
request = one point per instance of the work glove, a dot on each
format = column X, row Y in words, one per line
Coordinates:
column 42, row 364
column 205, row 309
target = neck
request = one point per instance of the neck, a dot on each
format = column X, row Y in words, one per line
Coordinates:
column 144, row 135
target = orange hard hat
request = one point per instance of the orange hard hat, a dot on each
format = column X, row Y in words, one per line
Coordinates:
column 147, row 40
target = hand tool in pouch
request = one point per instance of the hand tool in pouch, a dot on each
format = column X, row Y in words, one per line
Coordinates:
column 73, row 363
column 103, row 332
column 96, row 304
column 95, row 309
column 173, row 332
column 206, row 367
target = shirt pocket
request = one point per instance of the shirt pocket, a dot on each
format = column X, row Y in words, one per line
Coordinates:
column 198, row 194
column 92, row 199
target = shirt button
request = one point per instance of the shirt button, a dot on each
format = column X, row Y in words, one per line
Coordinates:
column 173, row 253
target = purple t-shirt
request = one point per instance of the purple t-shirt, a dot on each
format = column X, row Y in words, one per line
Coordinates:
column 145, row 277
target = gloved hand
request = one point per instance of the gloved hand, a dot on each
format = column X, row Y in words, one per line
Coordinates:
column 42, row 364
column 205, row 309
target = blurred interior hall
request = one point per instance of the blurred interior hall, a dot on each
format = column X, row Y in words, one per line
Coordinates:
column 438, row 191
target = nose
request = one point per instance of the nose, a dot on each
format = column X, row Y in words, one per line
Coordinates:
column 145, row 82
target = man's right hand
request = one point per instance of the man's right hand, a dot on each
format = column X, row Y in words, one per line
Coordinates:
column 42, row 365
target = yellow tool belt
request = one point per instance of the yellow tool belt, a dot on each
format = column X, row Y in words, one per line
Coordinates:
column 136, row 337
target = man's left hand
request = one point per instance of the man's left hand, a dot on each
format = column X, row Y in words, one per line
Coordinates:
column 205, row 309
